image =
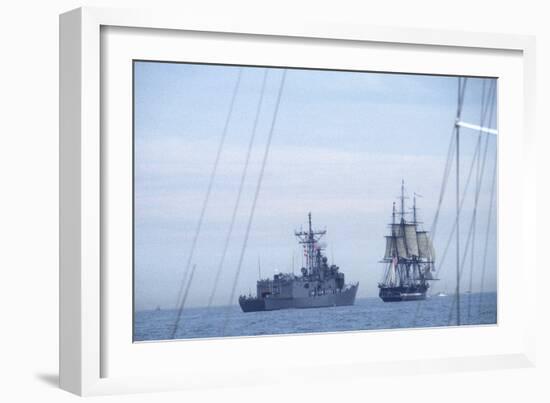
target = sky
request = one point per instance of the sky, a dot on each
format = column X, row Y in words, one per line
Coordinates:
column 342, row 143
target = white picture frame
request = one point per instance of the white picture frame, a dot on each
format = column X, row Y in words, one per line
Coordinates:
column 85, row 344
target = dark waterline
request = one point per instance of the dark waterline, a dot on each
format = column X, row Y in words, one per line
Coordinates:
column 366, row 314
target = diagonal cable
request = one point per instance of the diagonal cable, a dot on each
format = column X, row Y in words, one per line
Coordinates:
column 453, row 229
column 255, row 200
column 444, row 181
column 180, row 309
column 476, row 155
column 485, row 109
column 239, row 193
column 473, row 220
column 180, row 300
column 484, row 261
column 489, row 218
column 446, row 172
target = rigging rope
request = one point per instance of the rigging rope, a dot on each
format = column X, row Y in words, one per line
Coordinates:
column 463, row 199
column 180, row 309
column 479, row 180
column 255, row 200
column 474, row 218
column 458, row 116
column 442, row 190
column 486, row 102
column 446, row 172
column 441, row 265
column 456, row 298
column 490, row 213
column 181, row 299
column 241, row 186
column 448, row 163
column 489, row 218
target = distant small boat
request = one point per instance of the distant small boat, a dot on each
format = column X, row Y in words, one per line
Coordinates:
column 440, row 294
column 157, row 308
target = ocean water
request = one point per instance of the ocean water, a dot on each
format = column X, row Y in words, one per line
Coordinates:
column 366, row 314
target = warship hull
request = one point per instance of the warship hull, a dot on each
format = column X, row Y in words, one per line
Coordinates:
column 398, row 294
column 343, row 298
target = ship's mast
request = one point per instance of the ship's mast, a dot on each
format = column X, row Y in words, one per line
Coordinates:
column 402, row 200
column 405, row 266
column 415, row 266
column 392, row 269
column 259, row 269
column 457, row 201
column 309, row 239
column 414, row 208
column 311, row 243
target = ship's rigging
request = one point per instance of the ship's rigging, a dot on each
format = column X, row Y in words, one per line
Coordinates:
column 182, row 296
column 187, row 280
column 408, row 258
column 478, row 166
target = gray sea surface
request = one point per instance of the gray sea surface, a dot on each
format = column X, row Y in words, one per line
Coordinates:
column 366, row 314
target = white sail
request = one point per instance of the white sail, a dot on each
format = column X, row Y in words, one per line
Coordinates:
column 411, row 240
column 390, row 248
column 397, row 229
column 401, row 249
column 425, row 248
column 392, row 276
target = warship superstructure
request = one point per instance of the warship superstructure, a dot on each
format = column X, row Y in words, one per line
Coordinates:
column 409, row 258
column 319, row 284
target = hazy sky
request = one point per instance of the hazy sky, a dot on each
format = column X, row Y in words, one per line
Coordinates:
column 342, row 143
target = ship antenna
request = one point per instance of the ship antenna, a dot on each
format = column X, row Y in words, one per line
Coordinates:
column 308, row 239
column 414, row 208
column 311, row 239
column 259, row 268
column 402, row 199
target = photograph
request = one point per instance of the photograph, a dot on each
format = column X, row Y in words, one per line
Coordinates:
column 274, row 200
column 241, row 201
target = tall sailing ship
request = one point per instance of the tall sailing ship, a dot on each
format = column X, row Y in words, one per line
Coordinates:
column 409, row 258
column 319, row 285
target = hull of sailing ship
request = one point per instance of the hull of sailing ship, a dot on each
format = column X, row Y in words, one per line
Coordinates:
column 343, row 298
column 399, row 294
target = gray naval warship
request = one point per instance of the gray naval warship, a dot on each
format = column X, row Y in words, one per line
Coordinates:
column 319, row 285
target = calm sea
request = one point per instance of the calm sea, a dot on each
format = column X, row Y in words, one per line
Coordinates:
column 366, row 314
